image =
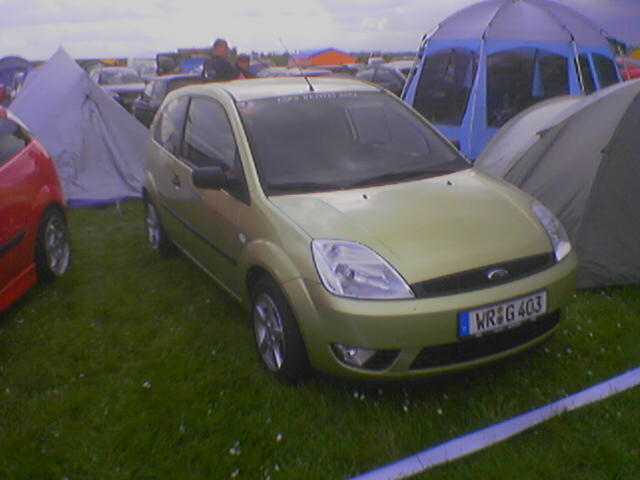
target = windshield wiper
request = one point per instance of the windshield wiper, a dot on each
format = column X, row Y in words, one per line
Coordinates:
column 399, row 176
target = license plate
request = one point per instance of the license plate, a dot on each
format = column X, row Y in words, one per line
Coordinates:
column 503, row 315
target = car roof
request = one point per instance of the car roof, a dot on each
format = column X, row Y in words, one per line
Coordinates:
column 254, row 89
column 173, row 76
column 400, row 64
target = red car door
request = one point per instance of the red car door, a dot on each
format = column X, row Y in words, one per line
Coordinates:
column 16, row 190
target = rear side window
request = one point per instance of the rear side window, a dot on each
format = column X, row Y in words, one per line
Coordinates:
column 445, row 85
column 12, row 140
column 169, row 124
column 587, row 74
column 208, row 138
column 606, row 70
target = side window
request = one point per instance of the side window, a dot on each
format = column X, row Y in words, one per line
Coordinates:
column 445, row 85
column 208, row 138
column 587, row 74
column 169, row 124
column 12, row 140
column 606, row 70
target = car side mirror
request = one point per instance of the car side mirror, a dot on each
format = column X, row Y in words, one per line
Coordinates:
column 209, row 178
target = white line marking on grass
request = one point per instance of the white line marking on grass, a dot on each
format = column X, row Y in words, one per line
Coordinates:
column 475, row 441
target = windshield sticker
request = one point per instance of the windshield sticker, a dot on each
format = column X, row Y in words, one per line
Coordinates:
column 315, row 97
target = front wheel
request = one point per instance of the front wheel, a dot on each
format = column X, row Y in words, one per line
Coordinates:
column 278, row 339
column 53, row 247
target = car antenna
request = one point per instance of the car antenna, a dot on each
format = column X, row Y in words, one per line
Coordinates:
column 311, row 89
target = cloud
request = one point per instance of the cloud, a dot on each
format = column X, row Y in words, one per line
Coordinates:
column 35, row 28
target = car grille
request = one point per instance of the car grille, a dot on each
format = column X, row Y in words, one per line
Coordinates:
column 477, row 279
column 491, row 344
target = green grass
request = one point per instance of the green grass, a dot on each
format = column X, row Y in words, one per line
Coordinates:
column 75, row 356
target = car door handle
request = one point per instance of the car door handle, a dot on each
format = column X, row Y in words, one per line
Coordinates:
column 175, row 180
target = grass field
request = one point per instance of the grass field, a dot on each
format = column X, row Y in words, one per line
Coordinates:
column 137, row 367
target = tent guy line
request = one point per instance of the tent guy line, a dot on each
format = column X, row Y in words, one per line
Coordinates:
column 481, row 439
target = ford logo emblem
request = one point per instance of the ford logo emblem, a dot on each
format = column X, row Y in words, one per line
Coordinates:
column 497, row 274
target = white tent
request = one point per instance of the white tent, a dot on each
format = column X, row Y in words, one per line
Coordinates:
column 98, row 147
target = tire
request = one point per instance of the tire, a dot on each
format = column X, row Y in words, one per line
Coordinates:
column 53, row 246
column 155, row 232
column 278, row 340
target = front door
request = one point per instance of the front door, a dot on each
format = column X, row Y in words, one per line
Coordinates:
column 211, row 216
column 168, row 134
column 16, row 190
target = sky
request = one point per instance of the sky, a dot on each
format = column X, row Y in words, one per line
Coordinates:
column 126, row 28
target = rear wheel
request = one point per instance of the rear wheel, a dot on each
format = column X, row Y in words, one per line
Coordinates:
column 278, row 339
column 53, row 247
column 156, row 234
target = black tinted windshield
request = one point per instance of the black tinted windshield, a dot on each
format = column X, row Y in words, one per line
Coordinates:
column 329, row 141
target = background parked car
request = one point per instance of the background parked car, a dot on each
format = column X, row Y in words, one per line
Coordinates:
column 387, row 77
column 402, row 66
column 293, row 72
column 121, row 81
column 629, row 68
column 146, row 106
column 146, row 67
column 4, row 94
column 34, row 239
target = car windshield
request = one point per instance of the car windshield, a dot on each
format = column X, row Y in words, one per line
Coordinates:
column 119, row 77
column 332, row 141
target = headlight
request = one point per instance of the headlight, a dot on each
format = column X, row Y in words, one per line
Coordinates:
column 555, row 230
column 352, row 270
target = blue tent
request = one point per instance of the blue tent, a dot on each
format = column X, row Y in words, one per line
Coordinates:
column 488, row 62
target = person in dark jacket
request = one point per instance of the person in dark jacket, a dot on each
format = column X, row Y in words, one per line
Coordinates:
column 218, row 68
column 243, row 62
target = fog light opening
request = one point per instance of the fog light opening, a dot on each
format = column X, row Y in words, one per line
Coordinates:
column 365, row 358
column 354, row 356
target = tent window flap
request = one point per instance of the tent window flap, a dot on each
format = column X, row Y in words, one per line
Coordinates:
column 520, row 78
column 445, row 85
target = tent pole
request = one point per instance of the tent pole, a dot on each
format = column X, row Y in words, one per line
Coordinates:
column 577, row 60
column 416, row 60
column 474, row 96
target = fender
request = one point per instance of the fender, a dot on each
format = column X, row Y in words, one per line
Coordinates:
column 46, row 198
column 269, row 257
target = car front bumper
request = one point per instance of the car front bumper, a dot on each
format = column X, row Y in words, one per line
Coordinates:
column 418, row 329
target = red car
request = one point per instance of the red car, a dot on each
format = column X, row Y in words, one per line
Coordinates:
column 629, row 68
column 34, row 238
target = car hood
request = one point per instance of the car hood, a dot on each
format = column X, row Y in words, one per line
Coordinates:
column 427, row 228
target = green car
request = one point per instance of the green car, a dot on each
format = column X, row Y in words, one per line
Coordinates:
column 360, row 240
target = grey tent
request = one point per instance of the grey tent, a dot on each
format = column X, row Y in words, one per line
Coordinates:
column 97, row 146
column 582, row 160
